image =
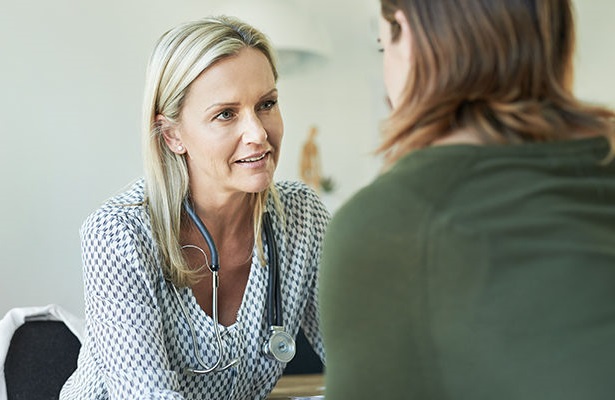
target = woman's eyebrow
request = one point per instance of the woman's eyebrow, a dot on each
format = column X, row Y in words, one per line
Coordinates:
column 222, row 104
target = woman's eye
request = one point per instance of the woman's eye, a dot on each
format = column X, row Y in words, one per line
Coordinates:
column 225, row 115
column 268, row 105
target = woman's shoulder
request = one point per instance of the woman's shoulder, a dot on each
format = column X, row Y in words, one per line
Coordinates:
column 409, row 191
column 290, row 188
column 299, row 201
column 296, row 193
column 422, row 177
column 125, row 208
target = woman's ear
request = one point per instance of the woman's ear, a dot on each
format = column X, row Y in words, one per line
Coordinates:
column 405, row 36
column 170, row 134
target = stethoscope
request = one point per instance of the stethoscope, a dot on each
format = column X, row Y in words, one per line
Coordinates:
column 280, row 346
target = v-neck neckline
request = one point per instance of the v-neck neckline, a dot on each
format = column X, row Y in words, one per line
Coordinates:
column 196, row 309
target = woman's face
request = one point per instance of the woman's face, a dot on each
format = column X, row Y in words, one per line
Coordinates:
column 230, row 126
column 395, row 60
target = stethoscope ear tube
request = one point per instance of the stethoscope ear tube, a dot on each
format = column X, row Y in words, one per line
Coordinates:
column 216, row 366
column 215, row 262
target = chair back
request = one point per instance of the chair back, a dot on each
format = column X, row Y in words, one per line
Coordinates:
column 40, row 358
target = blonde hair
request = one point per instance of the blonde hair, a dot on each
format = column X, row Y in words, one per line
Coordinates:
column 500, row 68
column 179, row 57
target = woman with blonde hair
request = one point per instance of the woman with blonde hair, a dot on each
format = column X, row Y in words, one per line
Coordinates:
column 199, row 276
column 480, row 264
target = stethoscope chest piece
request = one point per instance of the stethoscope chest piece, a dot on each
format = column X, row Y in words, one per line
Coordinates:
column 280, row 346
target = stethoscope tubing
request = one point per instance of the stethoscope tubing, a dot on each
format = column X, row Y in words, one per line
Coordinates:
column 216, row 366
column 274, row 300
column 275, row 317
column 215, row 260
column 214, row 268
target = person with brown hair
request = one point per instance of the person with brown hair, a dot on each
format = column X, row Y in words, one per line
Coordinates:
column 481, row 263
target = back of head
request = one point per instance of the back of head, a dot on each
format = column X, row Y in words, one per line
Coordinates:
column 179, row 57
column 502, row 69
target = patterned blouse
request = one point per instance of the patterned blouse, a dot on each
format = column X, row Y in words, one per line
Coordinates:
column 138, row 342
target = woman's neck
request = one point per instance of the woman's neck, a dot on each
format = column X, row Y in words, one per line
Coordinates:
column 461, row 136
column 225, row 216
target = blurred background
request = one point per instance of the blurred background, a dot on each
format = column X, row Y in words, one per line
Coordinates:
column 71, row 81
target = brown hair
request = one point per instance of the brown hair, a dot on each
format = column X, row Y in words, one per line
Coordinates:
column 502, row 69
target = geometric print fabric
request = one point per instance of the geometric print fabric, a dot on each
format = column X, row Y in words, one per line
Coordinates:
column 138, row 342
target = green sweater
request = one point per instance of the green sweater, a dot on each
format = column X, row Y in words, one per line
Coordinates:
column 472, row 273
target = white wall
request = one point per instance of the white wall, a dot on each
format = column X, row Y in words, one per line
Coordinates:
column 71, row 82
column 71, row 79
column 595, row 67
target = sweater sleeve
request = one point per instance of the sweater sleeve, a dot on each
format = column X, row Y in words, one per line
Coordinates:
column 122, row 315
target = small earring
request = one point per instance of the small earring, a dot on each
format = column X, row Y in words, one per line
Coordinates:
column 180, row 148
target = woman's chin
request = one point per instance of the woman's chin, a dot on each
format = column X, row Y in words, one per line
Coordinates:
column 258, row 185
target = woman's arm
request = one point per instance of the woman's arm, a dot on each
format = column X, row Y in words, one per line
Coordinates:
column 319, row 219
column 123, row 317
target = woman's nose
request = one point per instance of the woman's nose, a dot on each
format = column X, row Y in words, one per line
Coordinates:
column 253, row 130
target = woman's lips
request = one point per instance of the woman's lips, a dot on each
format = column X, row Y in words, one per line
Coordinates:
column 253, row 158
column 254, row 161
